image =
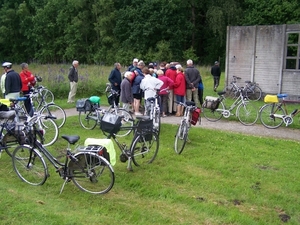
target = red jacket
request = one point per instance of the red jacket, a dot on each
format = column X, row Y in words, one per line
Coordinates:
column 167, row 83
column 171, row 73
column 27, row 80
column 179, row 85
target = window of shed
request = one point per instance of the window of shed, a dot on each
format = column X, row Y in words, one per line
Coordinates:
column 292, row 57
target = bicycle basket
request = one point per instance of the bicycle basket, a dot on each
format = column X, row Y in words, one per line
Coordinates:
column 211, row 102
column 110, row 123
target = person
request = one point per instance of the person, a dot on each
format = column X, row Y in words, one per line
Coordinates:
column 216, row 73
column 115, row 79
column 171, row 73
column 2, row 84
column 179, row 89
column 13, row 82
column 73, row 78
column 200, row 92
column 136, row 91
column 168, row 83
column 28, row 81
column 126, row 92
column 133, row 66
column 192, row 77
column 150, row 85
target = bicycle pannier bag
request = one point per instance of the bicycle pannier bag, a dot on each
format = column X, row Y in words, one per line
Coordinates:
column 146, row 127
column 271, row 99
column 195, row 116
column 211, row 102
column 110, row 123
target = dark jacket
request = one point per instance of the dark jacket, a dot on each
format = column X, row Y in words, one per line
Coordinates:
column 137, row 81
column 13, row 82
column 192, row 77
column 73, row 74
column 215, row 71
column 115, row 77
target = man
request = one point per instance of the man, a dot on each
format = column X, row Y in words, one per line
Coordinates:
column 192, row 78
column 171, row 73
column 73, row 78
column 115, row 79
column 126, row 92
column 216, row 72
column 13, row 82
column 134, row 65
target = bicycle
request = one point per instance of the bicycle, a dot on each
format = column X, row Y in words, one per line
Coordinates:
column 273, row 114
column 182, row 132
column 88, row 170
column 144, row 146
column 214, row 109
column 42, row 94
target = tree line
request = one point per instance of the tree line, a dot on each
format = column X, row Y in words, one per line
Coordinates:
column 106, row 31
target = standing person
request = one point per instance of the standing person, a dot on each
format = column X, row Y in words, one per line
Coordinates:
column 136, row 91
column 2, row 84
column 192, row 77
column 200, row 92
column 28, row 81
column 171, row 73
column 13, row 82
column 115, row 78
column 126, row 92
column 168, row 83
column 73, row 78
column 133, row 66
column 216, row 72
column 179, row 90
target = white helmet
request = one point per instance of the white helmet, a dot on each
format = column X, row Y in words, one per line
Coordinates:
column 7, row 65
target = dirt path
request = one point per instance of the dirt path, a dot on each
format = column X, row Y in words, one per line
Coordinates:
column 236, row 127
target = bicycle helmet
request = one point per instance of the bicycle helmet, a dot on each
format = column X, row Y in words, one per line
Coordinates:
column 7, row 65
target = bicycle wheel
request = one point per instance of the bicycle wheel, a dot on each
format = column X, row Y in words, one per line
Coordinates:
column 157, row 121
column 45, row 96
column 231, row 91
column 92, row 173
column 144, row 148
column 271, row 115
column 57, row 112
column 49, row 131
column 29, row 165
column 214, row 115
column 247, row 113
column 88, row 120
column 253, row 93
column 127, row 121
column 181, row 137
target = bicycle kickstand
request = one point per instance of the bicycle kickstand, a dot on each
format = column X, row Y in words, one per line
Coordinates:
column 129, row 166
column 63, row 186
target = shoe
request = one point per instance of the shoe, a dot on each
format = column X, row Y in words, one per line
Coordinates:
column 164, row 115
column 138, row 114
column 215, row 89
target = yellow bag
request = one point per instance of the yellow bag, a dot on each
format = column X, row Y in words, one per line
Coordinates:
column 271, row 99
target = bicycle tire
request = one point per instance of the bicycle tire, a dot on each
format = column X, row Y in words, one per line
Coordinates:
column 157, row 121
column 92, row 173
column 57, row 112
column 214, row 115
column 247, row 113
column 48, row 96
column 127, row 121
column 181, row 137
column 29, row 165
column 144, row 148
column 267, row 118
column 253, row 94
column 231, row 91
column 50, row 131
column 88, row 120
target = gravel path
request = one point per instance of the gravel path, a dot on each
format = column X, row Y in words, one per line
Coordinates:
column 236, row 127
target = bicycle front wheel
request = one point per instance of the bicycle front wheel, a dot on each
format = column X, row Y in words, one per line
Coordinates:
column 269, row 117
column 88, row 120
column 247, row 113
column 157, row 121
column 57, row 112
column 214, row 115
column 144, row 148
column 92, row 173
column 49, row 132
column 29, row 165
column 45, row 96
column 181, row 137
column 127, row 121
column 231, row 91
column 253, row 93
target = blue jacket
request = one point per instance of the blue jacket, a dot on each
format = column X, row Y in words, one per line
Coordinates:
column 137, row 81
column 115, row 77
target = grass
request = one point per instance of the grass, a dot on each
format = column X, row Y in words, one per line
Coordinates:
column 220, row 178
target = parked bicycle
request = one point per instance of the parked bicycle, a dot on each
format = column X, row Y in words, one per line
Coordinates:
column 42, row 94
column 144, row 146
column 190, row 117
column 88, row 170
column 214, row 109
column 274, row 113
column 252, row 91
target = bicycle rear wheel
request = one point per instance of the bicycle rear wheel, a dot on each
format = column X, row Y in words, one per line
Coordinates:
column 214, row 115
column 231, row 91
column 247, row 113
column 49, row 132
column 144, row 148
column 127, row 121
column 92, row 173
column 45, row 96
column 181, row 137
column 269, row 117
column 253, row 93
column 57, row 112
column 88, row 120
column 157, row 121
column 29, row 165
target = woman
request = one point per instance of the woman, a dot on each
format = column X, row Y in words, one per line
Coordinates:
column 168, row 83
column 179, row 89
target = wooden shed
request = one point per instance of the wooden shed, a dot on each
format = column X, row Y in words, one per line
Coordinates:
column 268, row 55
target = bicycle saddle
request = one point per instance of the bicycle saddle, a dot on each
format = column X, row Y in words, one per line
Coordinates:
column 143, row 117
column 72, row 139
column 221, row 92
column 190, row 103
column 7, row 114
column 152, row 99
column 282, row 95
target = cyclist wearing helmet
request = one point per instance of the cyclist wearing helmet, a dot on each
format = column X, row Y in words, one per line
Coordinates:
column 13, row 82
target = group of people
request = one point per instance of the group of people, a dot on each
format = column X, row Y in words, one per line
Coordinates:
column 169, row 80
